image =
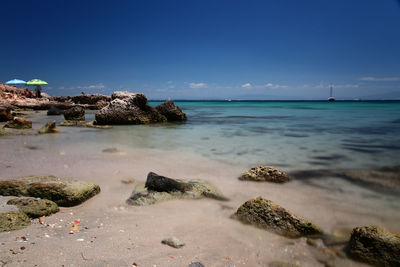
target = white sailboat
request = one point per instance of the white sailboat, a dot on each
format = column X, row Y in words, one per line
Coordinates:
column 331, row 98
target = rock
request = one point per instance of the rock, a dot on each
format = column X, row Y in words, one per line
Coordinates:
column 196, row 264
column 34, row 208
column 128, row 108
column 49, row 128
column 110, row 150
column 270, row 216
column 171, row 112
column 54, row 111
column 13, row 220
column 64, row 192
column 128, row 181
column 173, row 242
column 282, row 264
column 76, row 113
column 5, row 113
column 83, row 124
column 90, row 99
column 19, row 123
column 3, row 132
column 375, row 246
column 265, row 173
column 159, row 188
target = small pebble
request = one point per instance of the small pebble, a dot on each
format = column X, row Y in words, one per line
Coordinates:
column 173, row 242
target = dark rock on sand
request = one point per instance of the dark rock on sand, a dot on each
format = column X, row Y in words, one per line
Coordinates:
column 173, row 242
column 270, row 216
column 196, row 264
column 19, row 123
column 159, row 188
column 5, row 113
column 375, row 246
column 49, row 128
column 128, row 108
column 171, row 112
column 13, row 220
column 33, row 207
column 282, row 264
column 265, row 173
column 76, row 113
column 64, row 192
column 54, row 111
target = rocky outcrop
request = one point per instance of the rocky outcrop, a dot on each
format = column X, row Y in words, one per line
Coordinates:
column 268, row 215
column 34, row 208
column 53, row 110
column 19, row 123
column 128, row 108
column 63, row 192
column 5, row 113
column 375, row 246
column 265, row 173
column 13, row 220
column 159, row 188
column 90, row 124
column 91, row 101
column 76, row 113
column 171, row 112
column 49, row 128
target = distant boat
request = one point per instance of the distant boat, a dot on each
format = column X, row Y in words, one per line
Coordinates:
column 331, row 98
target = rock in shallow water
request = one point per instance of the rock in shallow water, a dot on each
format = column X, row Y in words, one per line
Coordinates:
column 64, row 192
column 54, row 111
column 270, row 216
column 375, row 246
column 19, row 123
column 159, row 188
column 49, row 128
column 5, row 113
column 265, row 173
column 76, row 113
column 13, row 220
column 171, row 112
column 173, row 242
column 34, row 208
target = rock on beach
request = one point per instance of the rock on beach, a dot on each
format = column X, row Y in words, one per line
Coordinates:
column 63, row 192
column 49, row 128
column 5, row 113
column 268, row 215
column 13, row 220
column 173, row 242
column 33, row 207
column 19, row 123
column 265, row 173
column 171, row 112
column 76, row 113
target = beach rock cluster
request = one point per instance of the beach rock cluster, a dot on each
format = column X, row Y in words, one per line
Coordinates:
column 375, row 245
column 160, row 188
column 268, row 215
column 133, row 108
column 63, row 192
column 265, row 173
column 91, row 101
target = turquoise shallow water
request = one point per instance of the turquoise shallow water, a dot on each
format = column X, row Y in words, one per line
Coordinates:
column 292, row 135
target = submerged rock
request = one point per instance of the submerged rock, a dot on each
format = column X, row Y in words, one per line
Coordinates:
column 270, row 216
column 19, row 123
column 5, row 113
column 173, row 242
column 90, row 124
column 265, row 173
column 64, row 192
column 171, row 112
column 49, row 128
column 13, row 220
column 159, row 188
column 54, row 111
column 375, row 246
column 76, row 113
column 128, row 108
column 33, row 207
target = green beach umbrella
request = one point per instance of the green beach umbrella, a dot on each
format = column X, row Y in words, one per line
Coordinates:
column 36, row 82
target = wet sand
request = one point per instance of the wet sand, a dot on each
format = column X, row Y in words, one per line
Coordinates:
column 112, row 233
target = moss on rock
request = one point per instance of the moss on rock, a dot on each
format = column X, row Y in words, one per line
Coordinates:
column 35, row 208
column 375, row 246
column 270, row 216
column 265, row 173
column 64, row 192
column 13, row 220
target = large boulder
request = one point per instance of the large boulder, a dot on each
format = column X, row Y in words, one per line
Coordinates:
column 375, row 246
column 19, row 123
column 5, row 113
column 13, row 220
column 49, row 128
column 268, row 215
column 265, row 173
column 128, row 108
column 159, row 188
column 53, row 110
column 63, row 192
column 33, row 207
column 171, row 112
column 76, row 113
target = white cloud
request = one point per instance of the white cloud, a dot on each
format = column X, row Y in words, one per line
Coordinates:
column 198, row 85
column 247, row 85
column 275, row 86
column 385, row 79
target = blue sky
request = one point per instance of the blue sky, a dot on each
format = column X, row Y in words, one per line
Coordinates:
column 205, row 49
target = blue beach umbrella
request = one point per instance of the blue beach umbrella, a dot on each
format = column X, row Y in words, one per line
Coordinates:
column 15, row 82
